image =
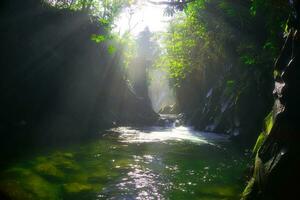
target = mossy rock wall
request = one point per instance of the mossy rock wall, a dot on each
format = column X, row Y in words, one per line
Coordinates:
column 277, row 162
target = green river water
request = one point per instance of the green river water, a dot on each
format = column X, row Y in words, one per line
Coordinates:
column 133, row 163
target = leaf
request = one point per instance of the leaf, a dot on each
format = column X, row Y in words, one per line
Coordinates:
column 111, row 49
column 248, row 60
column 253, row 10
column 268, row 45
column 230, row 82
column 98, row 38
column 103, row 21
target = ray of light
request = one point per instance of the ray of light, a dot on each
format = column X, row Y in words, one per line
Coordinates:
column 141, row 15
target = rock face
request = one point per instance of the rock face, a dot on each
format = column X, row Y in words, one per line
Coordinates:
column 169, row 109
column 234, row 106
column 57, row 85
column 277, row 163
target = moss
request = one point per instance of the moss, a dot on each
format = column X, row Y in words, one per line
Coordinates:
column 76, row 187
column 49, row 170
column 268, row 124
column 252, row 185
column 80, row 177
column 105, row 173
column 41, row 159
column 64, row 161
column 20, row 183
column 247, row 191
column 261, row 138
column 13, row 190
column 123, row 163
column 218, row 191
column 54, row 165
column 276, row 73
column 68, row 155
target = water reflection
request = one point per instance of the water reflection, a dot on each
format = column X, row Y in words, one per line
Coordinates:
column 134, row 163
column 139, row 182
column 166, row 168
column 161, row 134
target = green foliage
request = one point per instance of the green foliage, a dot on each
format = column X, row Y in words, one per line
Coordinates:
column 98, row 38
column 104, row 9
column 109, row 39
column 274, row 13
column 229, row 8
column 185, row 44
column 268, row 124
column 111, row 49
column 104, row 22
column 212, row 34
column 256, row 4
column 104, row 12
column 230, row 84
column 129, row 49
column 248, row 60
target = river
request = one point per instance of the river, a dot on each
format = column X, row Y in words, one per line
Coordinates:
column 158, row 162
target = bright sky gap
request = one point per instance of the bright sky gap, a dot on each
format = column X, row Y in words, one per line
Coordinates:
column 144, row 14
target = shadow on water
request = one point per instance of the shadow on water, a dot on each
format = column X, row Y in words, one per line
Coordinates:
column 133, row 163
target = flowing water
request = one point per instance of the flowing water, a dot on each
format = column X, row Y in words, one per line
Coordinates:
column 133, row 163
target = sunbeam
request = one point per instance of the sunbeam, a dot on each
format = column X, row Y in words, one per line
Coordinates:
column 141, row 15
column 149, row 99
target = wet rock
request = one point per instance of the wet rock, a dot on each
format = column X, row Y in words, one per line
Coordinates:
column 276, row 172
column 23, row 184
column 49, row 170
column 76, row 187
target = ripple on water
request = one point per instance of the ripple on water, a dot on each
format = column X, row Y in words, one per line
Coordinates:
column 161, row 134
column 139, row 182
column 149, row 163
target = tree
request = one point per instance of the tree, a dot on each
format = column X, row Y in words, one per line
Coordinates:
column 138, row 70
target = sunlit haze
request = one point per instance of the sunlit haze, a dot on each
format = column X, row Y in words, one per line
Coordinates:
column 141, row 15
